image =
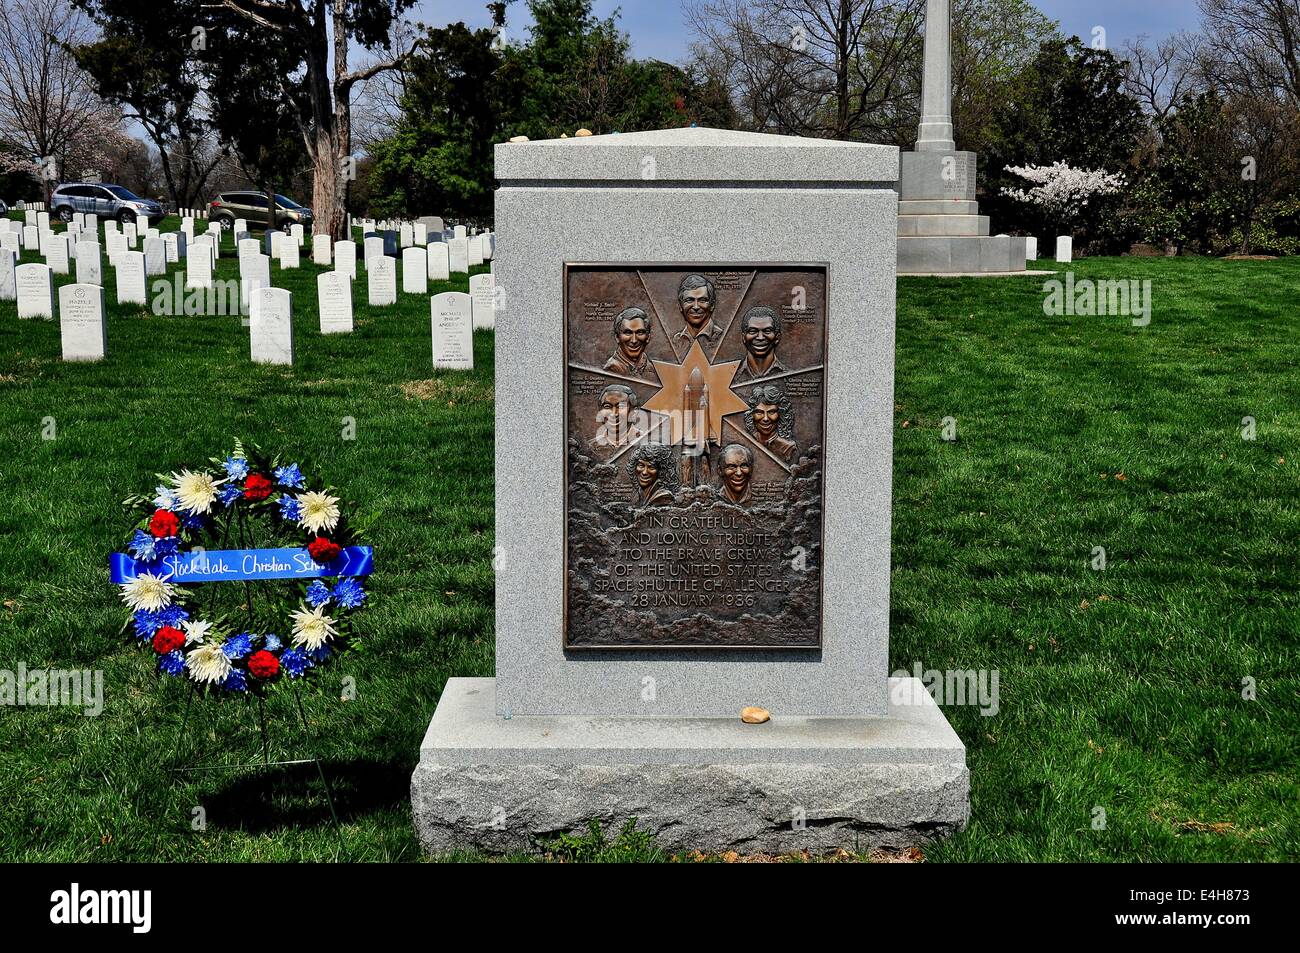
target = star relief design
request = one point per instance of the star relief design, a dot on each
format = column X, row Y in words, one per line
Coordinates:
column 676, row 378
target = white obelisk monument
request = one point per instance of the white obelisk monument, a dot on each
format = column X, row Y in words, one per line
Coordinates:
column 940, row 230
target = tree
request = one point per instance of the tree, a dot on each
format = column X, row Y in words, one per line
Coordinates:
column 255, row 108
column 148, row 61
column 439, row 157
column 319, row 33
column 49, row 110
column 836, row 69
column 992, row 42
column 1068, row 105
column 1253, row 46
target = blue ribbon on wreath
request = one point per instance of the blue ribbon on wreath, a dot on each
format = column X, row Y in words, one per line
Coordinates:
column 238, row 565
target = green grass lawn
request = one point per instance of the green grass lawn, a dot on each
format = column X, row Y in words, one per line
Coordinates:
column 1119, row 689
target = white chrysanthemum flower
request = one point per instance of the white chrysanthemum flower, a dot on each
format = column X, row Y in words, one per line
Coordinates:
column 196, row 631
column 312, row 627
column 196, row 492
column 208, row 663
column 318, row 511
column 147, row 591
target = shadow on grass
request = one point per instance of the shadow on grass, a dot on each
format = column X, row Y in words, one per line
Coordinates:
column 262, row 800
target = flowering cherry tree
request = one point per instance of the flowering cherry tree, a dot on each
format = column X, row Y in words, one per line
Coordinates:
column 1062, row 192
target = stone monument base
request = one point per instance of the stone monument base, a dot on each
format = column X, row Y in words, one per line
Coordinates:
column 497, row 784
column 940, row 230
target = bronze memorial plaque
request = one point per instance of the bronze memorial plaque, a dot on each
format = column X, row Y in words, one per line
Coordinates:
column 695, row 420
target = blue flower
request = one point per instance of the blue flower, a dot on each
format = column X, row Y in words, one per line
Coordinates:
column 318, row 594
column 237, row 646
column 236, row 467
column 290, row 508
column 235, row 681
column 290, row 476
column 147, row 623
column 294, row 663
column 143, row 546
column 320, row 654
column 173, row 663
column 191, row 520
column 349, row 593
column 228, row 492
column 165, row 498
column 273, row 642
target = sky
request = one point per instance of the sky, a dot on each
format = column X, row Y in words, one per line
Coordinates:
column 658, row 29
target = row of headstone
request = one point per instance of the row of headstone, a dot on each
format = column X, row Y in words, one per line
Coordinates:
column 82, row 330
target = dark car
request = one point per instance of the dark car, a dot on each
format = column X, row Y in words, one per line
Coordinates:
column 106, row 201
column 251, row 207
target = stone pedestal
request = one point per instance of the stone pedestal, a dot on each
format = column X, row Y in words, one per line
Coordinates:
column 940, row 230
column 792, row 784
column 561, row 737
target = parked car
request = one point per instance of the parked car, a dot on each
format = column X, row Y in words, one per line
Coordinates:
column 251, row 206
column 106, row 201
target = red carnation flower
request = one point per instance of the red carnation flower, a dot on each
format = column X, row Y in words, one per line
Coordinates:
column 262, row 664
column 257, row 487
column 163, row 523
column 322, row 550
column 168, row 639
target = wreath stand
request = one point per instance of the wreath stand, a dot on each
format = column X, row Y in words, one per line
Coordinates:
column 236, row 516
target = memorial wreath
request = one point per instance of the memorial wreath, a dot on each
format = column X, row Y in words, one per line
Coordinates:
column 294, row 606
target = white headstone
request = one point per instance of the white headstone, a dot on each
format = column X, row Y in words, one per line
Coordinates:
column 89, row 265
column 458, row 231
column 406, row 235
column 114, row 247
column 320, row 249
column 240, row 225
column 415, row 270
column 420, row 233
column 453, row 331
column 29, row 216
column 43, row 221
column 270, row 326
column 198, row 266
column 56, row 254
column 474, row 251
column 374, row 248
column 1031, row 248
column 81, row 322
column 248, row 248
column 31, row 237
column 274, row 242
column 334, row 302
column 254, row 273
column 482, row 289
column 8, row 287
column 345, row 258
column 131, row 232
column 34, row 291
column 381, row 280
column 155, row 257
column 12, row 241
column 296, row 233
column 130, row 278
column 438, row 262
column 1064, row 248
column 289, row 257
column 458, row 254
column 489, row 246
